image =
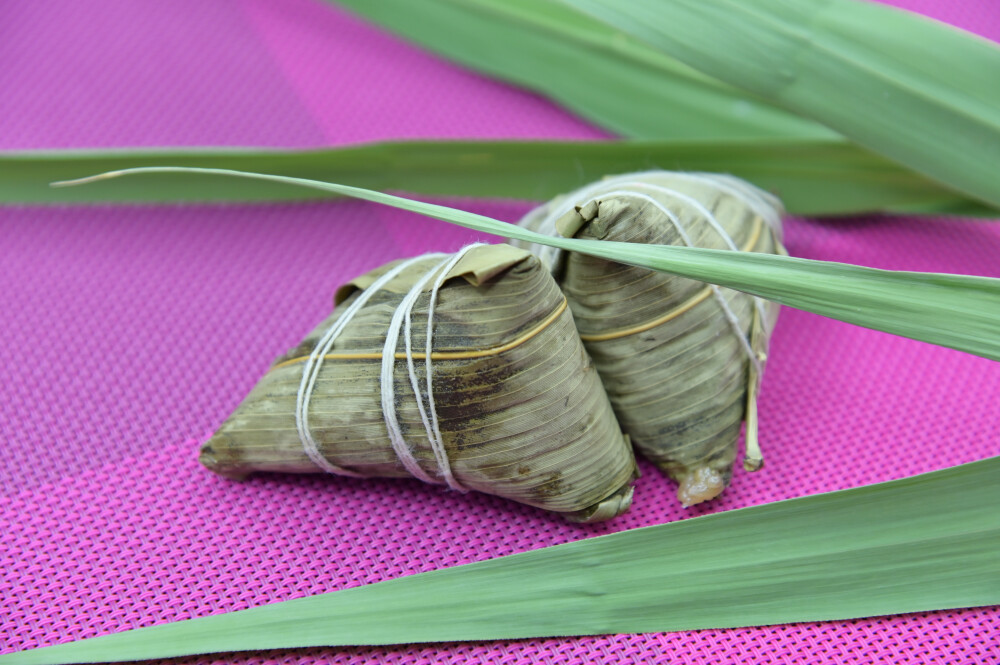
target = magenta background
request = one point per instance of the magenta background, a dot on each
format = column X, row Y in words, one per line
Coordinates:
column 129, row 333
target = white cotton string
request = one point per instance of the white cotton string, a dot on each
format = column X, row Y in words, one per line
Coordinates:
column 429, row 417
column 388, row 388
column 310, row 370
column 730, row 315
column 402, row 319
column 697, row 205
column 762, row 203
column 434, row 434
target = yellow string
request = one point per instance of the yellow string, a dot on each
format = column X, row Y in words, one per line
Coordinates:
column 445, row 355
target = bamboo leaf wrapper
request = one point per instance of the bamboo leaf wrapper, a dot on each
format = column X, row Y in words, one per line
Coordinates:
column 520, row 411
column 678, row 357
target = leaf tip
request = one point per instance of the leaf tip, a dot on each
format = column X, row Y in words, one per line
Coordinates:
column 89, row 179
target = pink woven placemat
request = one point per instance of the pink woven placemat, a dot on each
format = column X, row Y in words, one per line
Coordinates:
column 129, row 333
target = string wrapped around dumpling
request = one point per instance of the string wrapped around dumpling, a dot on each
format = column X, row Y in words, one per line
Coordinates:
column 509, row 403
column 681, row 360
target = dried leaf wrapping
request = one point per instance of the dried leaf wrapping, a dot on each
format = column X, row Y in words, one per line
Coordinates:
column 676, row 355
column 522, row 413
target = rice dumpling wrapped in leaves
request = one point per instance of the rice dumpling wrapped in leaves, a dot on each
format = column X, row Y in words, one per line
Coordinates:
column 681, row 360
column 464, row 370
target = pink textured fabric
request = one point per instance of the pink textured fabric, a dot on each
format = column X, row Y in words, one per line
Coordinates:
column 129, row 333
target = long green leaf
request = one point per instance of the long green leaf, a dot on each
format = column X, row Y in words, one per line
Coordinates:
column 812, row 177
column 956, row 311
column 923, row 543
column 922, row 93
column 605, row 76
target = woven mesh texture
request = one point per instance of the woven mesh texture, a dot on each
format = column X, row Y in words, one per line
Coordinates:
column 129, row 333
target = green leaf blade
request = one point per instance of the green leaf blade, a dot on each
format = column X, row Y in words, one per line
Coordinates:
column 812, row 177
column 921, row 543
column 919, row 92
column 617, row 82
column 955, row 311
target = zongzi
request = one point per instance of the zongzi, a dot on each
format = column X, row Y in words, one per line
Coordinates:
column 464, row 370
column 681, row 360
